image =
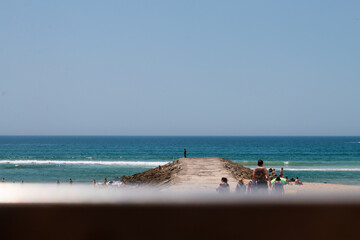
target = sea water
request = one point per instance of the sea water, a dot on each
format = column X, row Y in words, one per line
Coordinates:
column 84, row 158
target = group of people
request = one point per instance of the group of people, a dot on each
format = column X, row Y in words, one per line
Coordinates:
column 274, row 175
column 70, row 181
column 94, row 181
column 260, row 182
column 252, row 187
column 3, row 181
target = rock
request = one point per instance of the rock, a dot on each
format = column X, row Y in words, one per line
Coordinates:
column 165, row 174
column 156, row 176
column 237, row 170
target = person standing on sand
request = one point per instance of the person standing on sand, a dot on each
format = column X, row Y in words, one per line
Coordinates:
column 3, row 180
column 261, row 178
column 184, row 152
column 71, row 181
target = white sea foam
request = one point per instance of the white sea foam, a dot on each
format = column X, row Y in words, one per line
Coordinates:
column 286, row 163
column 324, row 169
column 62, row 162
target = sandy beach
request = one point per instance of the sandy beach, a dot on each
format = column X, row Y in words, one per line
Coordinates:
column 185, row 197
column 185, row 179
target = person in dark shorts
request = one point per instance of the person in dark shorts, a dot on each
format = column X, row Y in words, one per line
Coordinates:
column 261, row 178
column 184, row 152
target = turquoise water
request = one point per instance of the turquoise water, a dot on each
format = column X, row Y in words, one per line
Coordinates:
column 46, row 159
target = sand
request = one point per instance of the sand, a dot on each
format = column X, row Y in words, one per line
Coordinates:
column 202, row 173
column 186, row 180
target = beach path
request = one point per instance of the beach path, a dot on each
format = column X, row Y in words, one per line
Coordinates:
column 203, row 173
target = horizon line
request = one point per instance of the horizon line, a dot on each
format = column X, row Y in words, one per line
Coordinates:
column 85, row 135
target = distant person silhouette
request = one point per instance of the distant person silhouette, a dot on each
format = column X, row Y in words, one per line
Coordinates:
column 184, row 152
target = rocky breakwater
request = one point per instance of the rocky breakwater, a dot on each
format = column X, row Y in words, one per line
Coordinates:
column 183, row 171
column 156, row 176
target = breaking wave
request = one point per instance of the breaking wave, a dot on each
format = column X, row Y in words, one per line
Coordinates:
column 324, row 169
column 62, row 162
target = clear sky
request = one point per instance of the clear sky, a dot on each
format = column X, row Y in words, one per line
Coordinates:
column 179, row 67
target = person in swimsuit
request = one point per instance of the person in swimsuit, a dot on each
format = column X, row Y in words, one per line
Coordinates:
column 261, row 178
column 281, row 172
column 278, row 187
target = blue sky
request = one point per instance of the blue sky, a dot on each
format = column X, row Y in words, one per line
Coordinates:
column 179, row 67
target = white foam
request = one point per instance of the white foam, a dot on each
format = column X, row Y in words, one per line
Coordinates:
column 324, row 169
column 62, row 162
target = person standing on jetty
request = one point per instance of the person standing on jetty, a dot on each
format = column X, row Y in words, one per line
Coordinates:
column 261, row 178
column 184, row 152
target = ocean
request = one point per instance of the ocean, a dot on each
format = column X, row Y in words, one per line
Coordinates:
column 84, row 158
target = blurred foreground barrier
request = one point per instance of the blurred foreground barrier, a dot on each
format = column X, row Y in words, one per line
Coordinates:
column 174, row 221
